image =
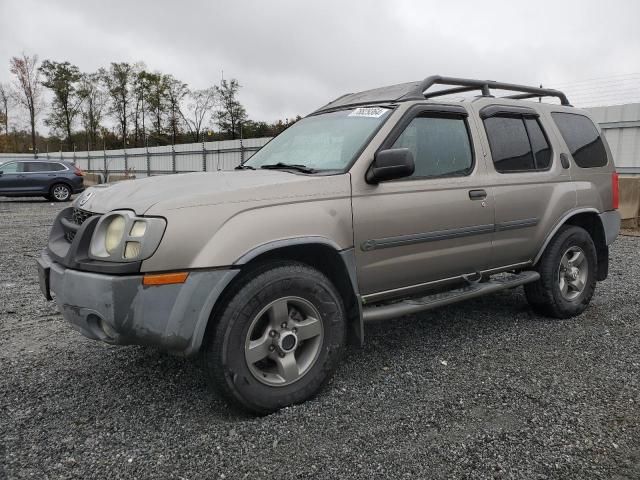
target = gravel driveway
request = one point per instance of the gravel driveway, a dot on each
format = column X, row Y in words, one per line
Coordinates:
column 484, row 389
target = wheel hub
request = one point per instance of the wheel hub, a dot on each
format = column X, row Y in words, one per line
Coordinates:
column 287, row 342
column 573, row 273
column 284, row 341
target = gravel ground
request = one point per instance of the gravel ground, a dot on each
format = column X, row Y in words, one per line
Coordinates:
column 484, row 389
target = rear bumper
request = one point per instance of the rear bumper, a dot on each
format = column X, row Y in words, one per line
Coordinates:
column 118, row 309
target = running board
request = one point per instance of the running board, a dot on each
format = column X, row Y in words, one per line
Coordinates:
column 375, row 313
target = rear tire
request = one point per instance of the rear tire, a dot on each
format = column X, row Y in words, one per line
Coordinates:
column 60, row 192
column 568, row 273
column 277, row 339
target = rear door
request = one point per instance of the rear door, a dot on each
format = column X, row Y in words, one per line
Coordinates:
column 532, row 190
column 434, row 225
column 37, row 176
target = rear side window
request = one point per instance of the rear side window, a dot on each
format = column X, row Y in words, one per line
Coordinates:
column 36, row 167
column 440, row 146
column 43, row 167
column 582, row 138
column 539, row 146
column 517, row 144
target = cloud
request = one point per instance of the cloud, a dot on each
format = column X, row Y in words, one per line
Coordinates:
column 293, row 56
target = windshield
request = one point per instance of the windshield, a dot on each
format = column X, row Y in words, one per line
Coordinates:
column 328, row 141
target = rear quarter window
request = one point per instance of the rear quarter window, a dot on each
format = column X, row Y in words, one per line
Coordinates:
column 582, row 138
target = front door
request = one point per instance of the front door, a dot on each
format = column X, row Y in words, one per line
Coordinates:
column 436, row 224
column 11, row 177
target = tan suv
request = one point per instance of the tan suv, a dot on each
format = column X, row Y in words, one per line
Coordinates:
column 380, row 204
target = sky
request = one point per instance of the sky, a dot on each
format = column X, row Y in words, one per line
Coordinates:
column 293, row 56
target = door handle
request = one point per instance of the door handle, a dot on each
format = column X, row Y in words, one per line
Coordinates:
column 564, row 160
column 477, row 194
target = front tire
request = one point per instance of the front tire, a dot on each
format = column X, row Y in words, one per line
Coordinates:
column 568, row 273
column 277, row 339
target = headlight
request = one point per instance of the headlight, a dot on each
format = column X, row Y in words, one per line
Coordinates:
column 121, row 236
column 115, row 232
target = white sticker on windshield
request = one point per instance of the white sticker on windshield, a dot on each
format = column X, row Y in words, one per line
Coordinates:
column 371, row 112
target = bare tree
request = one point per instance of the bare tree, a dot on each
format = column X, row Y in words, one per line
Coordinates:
column 198, row 110
column 6, row 101
column 28, row 89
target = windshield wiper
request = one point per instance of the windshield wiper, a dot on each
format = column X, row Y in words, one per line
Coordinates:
column 289, row 166
column 244, row 167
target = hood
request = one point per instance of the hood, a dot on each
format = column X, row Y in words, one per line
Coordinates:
column 203, row 188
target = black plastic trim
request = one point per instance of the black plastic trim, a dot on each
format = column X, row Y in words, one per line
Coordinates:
column 75, row 255
column 402, row 240
column 516, row 224
column 506, row 110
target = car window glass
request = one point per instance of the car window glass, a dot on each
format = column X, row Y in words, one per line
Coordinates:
column 582, row 138
column 440, row 146
column 54, row 167
column 11, row 167
column 509, row 144
column 35, row 167
column 539, row 144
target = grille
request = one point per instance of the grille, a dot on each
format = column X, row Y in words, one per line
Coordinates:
column 78, row 217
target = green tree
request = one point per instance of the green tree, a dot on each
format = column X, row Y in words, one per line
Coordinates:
column 119, row 81
column 62, row 79
column 94, row 101
column 231, row 114
column 176, row 91
column 156, row 96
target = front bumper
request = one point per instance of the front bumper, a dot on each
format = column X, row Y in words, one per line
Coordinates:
column 119, row 309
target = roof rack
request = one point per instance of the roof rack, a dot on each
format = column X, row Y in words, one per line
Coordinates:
column 462, row 85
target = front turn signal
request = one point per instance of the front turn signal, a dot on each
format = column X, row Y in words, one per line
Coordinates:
column 165, row 278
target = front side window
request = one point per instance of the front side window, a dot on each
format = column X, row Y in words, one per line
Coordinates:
column 517, row 144
column 582, row 138
column 324, row 142
column 10, row 167
column 440, row 146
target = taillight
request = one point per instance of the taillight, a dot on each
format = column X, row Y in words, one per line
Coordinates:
column 615, row 190
column 77, row 171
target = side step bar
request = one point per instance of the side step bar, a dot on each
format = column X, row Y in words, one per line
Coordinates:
column 375, row 313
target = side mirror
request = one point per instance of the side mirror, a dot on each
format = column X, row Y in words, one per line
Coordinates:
column 390, row 165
